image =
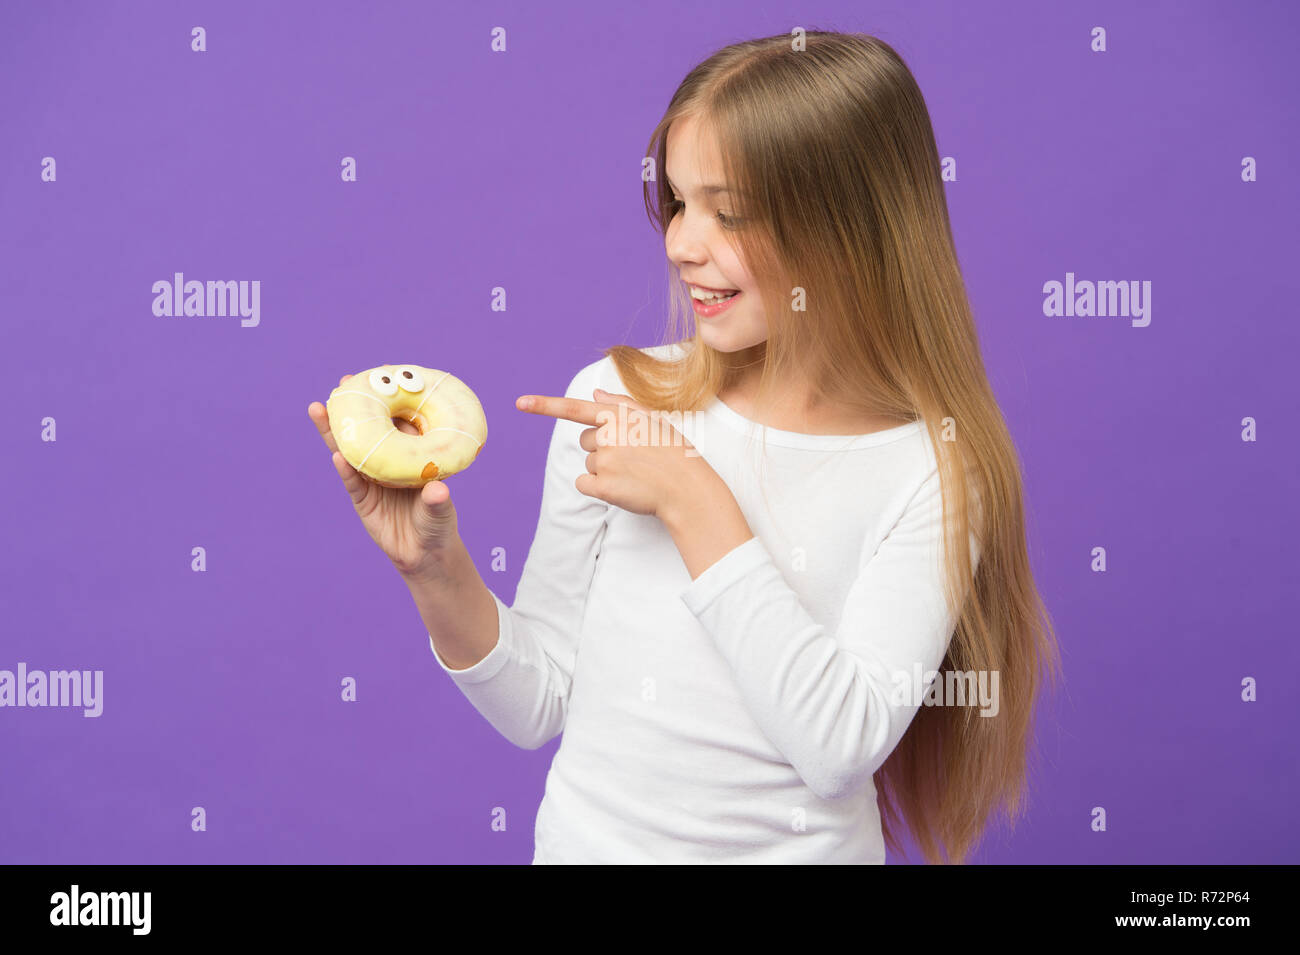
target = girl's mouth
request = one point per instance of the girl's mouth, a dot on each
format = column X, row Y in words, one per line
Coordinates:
column 713, row 306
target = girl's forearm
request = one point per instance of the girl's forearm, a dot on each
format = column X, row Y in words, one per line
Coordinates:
column 456, row 606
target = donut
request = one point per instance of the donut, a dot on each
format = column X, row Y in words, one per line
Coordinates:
column 452, row 427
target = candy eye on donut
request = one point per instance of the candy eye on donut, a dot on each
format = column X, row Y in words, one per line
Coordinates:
column 410, row 378
column 383, row 383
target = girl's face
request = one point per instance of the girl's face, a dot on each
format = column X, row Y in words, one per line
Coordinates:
column 696, row 242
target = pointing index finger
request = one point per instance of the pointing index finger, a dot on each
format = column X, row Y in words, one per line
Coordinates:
column 571, row 409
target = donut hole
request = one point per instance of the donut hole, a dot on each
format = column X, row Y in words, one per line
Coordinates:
column 401, row 424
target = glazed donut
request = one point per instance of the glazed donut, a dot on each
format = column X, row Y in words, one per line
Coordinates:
column 452, row 427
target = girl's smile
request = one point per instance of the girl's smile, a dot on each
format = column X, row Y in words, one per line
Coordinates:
column 709, row 308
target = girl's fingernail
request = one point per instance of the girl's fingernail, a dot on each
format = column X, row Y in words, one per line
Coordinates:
column 524, row 403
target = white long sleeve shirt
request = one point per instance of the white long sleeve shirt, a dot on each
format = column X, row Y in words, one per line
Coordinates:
column 739, row 717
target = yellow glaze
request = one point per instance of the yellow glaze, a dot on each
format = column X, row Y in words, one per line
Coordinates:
column 452, row 426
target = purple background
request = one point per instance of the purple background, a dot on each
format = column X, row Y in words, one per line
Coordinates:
column 522, row 170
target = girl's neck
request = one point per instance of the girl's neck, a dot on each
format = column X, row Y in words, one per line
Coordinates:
column 797, row 407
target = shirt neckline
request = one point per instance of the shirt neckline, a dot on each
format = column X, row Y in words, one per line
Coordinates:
column 813, row 442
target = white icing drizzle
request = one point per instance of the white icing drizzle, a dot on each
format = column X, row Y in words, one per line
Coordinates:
column 372, row 450
column 431, row 390
column 458, row 431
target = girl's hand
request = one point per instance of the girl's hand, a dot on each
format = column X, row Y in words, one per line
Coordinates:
column 639, row 461
column 415, row 527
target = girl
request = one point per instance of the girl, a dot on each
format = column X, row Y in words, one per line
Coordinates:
column 739, row 638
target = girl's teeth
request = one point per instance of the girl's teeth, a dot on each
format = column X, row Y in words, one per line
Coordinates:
column 710, row 298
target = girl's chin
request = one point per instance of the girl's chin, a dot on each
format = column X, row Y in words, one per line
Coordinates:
column 725, row 341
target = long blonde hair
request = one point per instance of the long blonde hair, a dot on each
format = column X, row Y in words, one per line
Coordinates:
column 831, row 148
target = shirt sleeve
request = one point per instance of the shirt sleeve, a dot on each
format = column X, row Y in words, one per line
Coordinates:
column 522, row 686
column 831, row 703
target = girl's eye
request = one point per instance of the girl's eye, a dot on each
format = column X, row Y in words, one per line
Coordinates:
column 724, row 220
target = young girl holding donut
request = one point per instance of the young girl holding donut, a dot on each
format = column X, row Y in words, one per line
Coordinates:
column 738, row 631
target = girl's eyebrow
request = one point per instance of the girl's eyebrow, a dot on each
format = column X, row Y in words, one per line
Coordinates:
column 706, row 190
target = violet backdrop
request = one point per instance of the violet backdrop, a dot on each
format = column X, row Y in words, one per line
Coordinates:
column 522, row 170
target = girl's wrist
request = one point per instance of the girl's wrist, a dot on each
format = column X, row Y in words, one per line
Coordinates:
column 707, row 526
column 705, row 494
column 435, row 565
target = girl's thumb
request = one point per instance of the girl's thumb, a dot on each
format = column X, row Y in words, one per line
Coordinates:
column 437, row 514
